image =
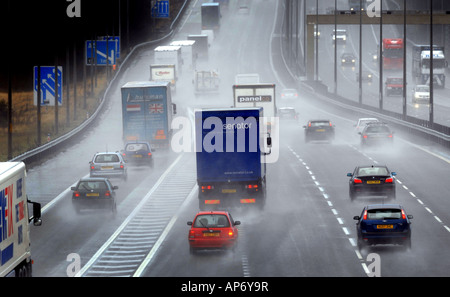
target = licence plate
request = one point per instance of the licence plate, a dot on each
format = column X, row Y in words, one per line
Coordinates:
column 228, row 190
column 320, row 130
column 107, row 167
column 371, row 182
column 385, row 226
column 213, row 234
column 137, row 156
column 92, row 194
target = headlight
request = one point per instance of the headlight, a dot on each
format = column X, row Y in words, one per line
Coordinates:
column 353, row 61
column 369, row 76
column 343, row 60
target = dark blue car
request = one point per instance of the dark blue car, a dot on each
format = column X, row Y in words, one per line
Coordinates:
column 138, row 153
column 383, row 224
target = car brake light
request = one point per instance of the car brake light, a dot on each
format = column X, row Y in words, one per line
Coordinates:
column 76, row 194
column 365, row 215
column 403, row 215
column 121, row 166
column 390, row 136
column 108, row 193
column 364, row 136
column 251, row 186
column 92, row 167
column 149, row 154
column 309, row 125
column 389, row 180
column 331, row 124
column 230, row 233
column 192, row 233
column 357, row 181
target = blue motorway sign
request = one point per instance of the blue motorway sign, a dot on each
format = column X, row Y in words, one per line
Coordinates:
column 96, row 49
column 112, row 38
column 48, row 85
column 161, row 9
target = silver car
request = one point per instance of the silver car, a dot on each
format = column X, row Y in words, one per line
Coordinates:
column 108, row 164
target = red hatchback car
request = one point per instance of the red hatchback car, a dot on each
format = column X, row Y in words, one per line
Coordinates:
column 213, row 230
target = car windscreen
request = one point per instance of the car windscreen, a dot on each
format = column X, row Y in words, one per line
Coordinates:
column 211, row 221
column 92, row 186
column 106, row 158
column 372, row 171
column 384, row 214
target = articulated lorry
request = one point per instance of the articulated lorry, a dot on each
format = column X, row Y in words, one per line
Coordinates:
column 421, row 65
column 231, row 147
column 15, row 243
column 147, row 111
column 257, row 95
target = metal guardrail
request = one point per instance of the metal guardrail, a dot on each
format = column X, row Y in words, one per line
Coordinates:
column 43, row 150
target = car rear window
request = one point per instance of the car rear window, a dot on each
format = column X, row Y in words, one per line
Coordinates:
column 92, row 185
column 369, row 171
column 133, row 147
column 320, row 123
column 106, row 158
column 211, row 221
column 383, row 214
column 377, row 129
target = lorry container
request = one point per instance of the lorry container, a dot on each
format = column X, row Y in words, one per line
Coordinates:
column 165, row 73
column 421, row 65
column 210, row 13
column 257, row 95
column 230, row 153
column 206, row 81
column 15, row 243
column 201, row 46
column 147, row 111
column 169, row 54
column 187, row 52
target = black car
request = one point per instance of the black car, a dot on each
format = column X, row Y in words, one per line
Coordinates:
column 376, row 133
column 94, row 193
column 138, row 153
column 319, row 130
column 371, row 180
column 348, row 59
column 383, row 224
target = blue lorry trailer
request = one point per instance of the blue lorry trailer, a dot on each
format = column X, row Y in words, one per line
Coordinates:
column 231, row 168
column 147, row 112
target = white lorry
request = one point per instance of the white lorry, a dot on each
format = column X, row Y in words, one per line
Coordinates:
column 169, row 54
column 206, row 81
column 15, row 252
column 187, row 52
column 257, row 95
column 165, row 73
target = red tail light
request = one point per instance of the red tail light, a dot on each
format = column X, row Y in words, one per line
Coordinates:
column 251, row 186
column 357, row 181
column 107, row 193
column 121, row 166
column 389, row 180
column 365, row 215
column 365, row 136
column 192, row 233
column 230, row 233
column 149, row 154
column 390, row 136
column 76, row 194
column 403, row 215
